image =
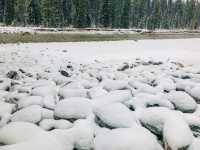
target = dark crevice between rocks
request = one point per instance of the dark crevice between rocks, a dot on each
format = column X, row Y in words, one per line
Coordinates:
column 153, row 130
column 102, row 124
column 72, row 120
column 124, row 67
column 195, row 130
column 64, row 73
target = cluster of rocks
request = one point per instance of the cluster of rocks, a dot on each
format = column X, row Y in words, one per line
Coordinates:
column 140, row 105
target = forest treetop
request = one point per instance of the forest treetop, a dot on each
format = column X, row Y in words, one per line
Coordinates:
column 148, row 14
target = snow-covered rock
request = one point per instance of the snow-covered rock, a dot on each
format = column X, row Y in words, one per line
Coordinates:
column 73, row 85
column 113, row 97
column 68, row 93
column 166, row 84
column 112, row 85
column 3, row 95
column 194, row 92
column 50, row 102
column 43, row 83
column 47, row 114
column 14, row 97
column 5, row 83
column 83, row 133
column 177, row 133
column 30, row 100
column 73, row 108
column 143, row 100
column 31, row 114
column 44, row 91
column 49, row 124
column 45, row 141
column 18, row 132
column 195, row 145
column 6, row 108
column 143, row 87
column 197, row 112
column 153, row 118
column 115, row 116
column 96, row 92
column 137, row 138
column 194, row 123
column 182, row 101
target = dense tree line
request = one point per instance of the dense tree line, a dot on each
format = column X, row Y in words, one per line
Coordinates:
column 151, row 14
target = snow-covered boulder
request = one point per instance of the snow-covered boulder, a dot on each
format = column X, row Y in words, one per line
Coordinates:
column 194, row 92
column 96, row 92
column 194, row 123
column 31, row 114
column 49, row 124
column 62, row 124
column 45, row 141
column 68, row 93
column 4, row 119
column 73, row 85
column 87, row 84
column 17, row 132
column 42, row 83
column 165, row 84
column 44, row 91
column 47, row 114
column 23, row 89
column 49, row 102
column 114, row 116
column 112, row 85
column 144, row 87
column 153, row 118
column 182, row 101
column 195, row 145
column 143, row 100
column 30, row 100
column 182, row 85
column 5, row 83
column 6, row 108
column 15, row 97
column 73, row 108
column 197, row 112
column 176, row 133
column 113, row 97
column 135, row 138
column 83, row 133
column 3, row 95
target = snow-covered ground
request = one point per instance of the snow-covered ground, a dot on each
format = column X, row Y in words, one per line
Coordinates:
column 11, row 29
column 122, row 95
column 51, row 54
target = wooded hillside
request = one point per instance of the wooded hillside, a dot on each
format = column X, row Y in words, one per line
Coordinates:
column 151, row 14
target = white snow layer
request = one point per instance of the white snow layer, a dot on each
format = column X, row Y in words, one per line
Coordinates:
column 75, row 96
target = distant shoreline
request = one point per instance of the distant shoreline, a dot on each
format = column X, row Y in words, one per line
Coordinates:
column 38, row 34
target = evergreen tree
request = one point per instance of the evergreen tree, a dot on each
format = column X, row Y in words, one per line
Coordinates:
column 67, row 10
column 9, row 12
column 2, row 7
column 156, row 14
column 21, row 11
column 106, row 13
column 179, row 14
column 81, row 18
column 34, row 13
column 164, row 11
column 46, row 12
column 125, row 21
